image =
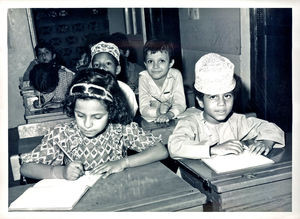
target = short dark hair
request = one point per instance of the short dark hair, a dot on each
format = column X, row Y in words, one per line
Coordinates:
column 44, row 45
column 44, row 77
column 156, row 45
column 118, row 109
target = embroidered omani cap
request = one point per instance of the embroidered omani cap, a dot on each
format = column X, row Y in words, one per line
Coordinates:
column 214, row 74
column 106, row 47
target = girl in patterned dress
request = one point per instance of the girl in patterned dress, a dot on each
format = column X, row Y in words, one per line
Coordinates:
column 99, row 137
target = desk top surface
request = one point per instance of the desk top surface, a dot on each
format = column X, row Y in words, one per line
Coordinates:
column 151, row 187
column 280, row 170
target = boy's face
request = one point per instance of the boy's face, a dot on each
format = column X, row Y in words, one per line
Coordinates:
column 44, row 55
column 158, row 64
column 105, row 61
column 216, row 107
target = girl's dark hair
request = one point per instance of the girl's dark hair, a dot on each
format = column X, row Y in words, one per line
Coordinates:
column 118, row 109
column 44, row 77
column 156, row 45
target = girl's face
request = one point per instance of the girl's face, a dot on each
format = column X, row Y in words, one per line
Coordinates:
column 158, row 64
column 216, row 107
column 91, row 116
column 44, row 55
column 106, row 62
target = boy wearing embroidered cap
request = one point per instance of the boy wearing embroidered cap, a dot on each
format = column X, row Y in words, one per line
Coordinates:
column 106, row 56
column 217, row 130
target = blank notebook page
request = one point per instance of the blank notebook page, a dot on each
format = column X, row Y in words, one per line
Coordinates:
column 232, row 162
column 54, row 194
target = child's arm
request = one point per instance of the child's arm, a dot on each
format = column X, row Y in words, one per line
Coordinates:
column 184, row 142
column 228, row 147
column 147, row 156
column 71, row 171
column 149, row 106
column 264, row 146
column 266, row 135
column 178, row 101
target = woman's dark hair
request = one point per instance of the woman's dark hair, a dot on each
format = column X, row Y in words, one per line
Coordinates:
column 156, row 45
column 118, row 109
column 44, row 77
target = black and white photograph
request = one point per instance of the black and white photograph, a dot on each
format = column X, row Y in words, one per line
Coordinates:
column 143, row 108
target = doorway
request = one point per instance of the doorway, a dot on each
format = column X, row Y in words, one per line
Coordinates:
column 271, row 65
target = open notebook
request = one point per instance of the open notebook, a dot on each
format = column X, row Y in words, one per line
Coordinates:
column 54, row 194
column 232, row 162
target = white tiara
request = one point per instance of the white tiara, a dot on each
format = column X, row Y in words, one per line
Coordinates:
column 106, row 95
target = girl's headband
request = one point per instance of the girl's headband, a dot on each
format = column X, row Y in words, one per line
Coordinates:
column 106, row 47
column 84, row 88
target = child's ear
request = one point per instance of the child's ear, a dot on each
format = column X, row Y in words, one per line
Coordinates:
column 171, row 63
column 118, row 69
column 200, row 102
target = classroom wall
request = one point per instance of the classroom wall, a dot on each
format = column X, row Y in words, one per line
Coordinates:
column 116, row 20
column 218, row 30
column 20, row 54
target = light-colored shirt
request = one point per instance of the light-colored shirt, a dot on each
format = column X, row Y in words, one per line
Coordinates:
column 193, row 135
column 172, row 92
column 130, row 96
column 110, row 145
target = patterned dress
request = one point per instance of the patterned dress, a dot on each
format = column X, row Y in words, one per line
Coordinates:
column 110, row 145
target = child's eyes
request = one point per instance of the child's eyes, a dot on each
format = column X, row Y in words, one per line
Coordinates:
column 98, row 117
column 162, row 61
column 213, row 97
column 149, row 61
column 227, row 96
column 79, row 115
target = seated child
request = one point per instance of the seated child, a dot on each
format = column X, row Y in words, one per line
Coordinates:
column 130, row 69
column 51, row 84
column 161, row 92
column 217, row 130
column 105, row 55
column 99, row 137
column 45, row 53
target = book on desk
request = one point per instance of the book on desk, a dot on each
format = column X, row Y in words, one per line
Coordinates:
column 54, row 194
column 233, row 162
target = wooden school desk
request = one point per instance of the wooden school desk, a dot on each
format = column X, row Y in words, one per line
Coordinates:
column 151, row 187
column 267, row 188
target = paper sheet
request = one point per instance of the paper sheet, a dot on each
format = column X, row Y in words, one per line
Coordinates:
column 232, row 162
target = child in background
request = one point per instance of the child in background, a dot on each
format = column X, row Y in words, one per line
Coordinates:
column 130, row 69
column 217, row 130
column 161, row 92
column 98, row 139
column 51, row 83
column 45, row 53
column 106, row 56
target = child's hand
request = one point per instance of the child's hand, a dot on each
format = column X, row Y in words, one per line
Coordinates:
column 164, row 107
column 73, row 170
column 164, row 117
column 228, row 147
column 261, row 146
column 110, row 167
